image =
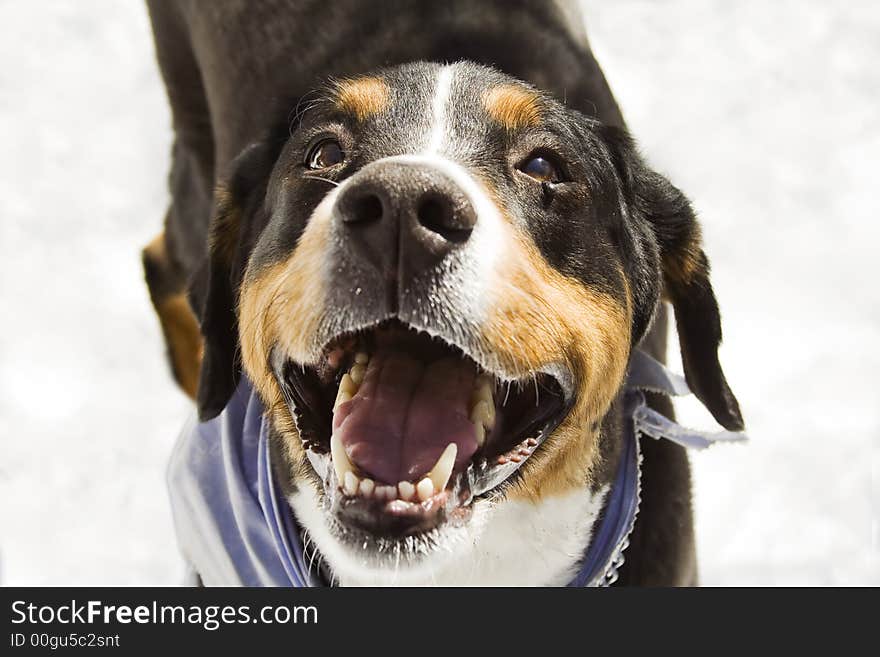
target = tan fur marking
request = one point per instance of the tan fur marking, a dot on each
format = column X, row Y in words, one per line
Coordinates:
column 155, row 250
column 184, row 340
column 542, row 317
column 681, row 266
column 225, row 227
column 513, row 106
column 283, row 305
column 362, row 97
column 178, row 322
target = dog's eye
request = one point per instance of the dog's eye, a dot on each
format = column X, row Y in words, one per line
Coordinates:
column 325, row 154
column 541, row 169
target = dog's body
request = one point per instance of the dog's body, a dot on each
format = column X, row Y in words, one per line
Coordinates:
column 237, row 70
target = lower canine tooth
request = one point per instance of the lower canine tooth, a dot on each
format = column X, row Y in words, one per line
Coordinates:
column 442, row 470
column 340, row 459
column 350, row 485
column 425, row 489
column 361, row 358
column 406, row 490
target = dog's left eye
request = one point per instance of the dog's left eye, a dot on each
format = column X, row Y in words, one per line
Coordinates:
column 541, row 169
column 325, row 154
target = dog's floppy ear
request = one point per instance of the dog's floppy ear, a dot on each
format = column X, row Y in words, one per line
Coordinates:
column 685, row 276
column 213, row 291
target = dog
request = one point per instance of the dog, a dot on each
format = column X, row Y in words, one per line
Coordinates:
column 423, row 234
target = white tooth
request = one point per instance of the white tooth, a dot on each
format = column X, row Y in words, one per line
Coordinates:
column 386, row 492
column 481, row 433
column 347, row 384
column 425, row 489
column 490, row 406
column 347, row 389
column 483, row 388
column 442, row 470
column 340, row 459
column 351, row 483
column 481, row 414
column 406, row 490
column 341, row 398
column 357, row 373
column 361, row 358
column 367, row 487
column 483, row 393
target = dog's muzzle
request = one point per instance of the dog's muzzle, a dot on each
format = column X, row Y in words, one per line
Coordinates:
column 404, row 399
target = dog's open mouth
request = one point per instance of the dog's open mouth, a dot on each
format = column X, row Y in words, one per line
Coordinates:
column 405, row 430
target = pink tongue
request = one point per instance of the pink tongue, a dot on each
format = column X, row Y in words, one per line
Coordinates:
column 405, row 414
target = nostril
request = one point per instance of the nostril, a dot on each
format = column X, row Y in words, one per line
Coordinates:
column 433, row 214
column 438, row 215
column 365, row 209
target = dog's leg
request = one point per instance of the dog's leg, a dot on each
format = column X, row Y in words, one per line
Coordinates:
column 171, row 258
column 167, row 284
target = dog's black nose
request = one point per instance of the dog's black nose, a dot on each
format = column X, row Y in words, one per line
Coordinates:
column 403, row 218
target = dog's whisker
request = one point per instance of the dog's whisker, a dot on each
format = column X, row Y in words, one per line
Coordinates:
column 326, row 180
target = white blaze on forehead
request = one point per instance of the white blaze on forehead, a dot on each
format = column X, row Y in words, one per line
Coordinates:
column 438, row 110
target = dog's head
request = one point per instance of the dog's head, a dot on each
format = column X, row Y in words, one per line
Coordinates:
column 434, row 279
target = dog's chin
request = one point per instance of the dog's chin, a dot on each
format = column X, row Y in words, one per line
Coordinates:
column 351, row 556
column 490, row 548
column 408, row 440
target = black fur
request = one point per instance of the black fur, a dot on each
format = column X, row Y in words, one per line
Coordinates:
column 214, row 286
column 699, row 329
column 671, row 218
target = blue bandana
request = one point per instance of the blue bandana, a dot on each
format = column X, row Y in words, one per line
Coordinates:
column 235, row 528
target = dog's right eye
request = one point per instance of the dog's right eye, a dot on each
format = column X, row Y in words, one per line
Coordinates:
column 325, row 154
column 541, row 168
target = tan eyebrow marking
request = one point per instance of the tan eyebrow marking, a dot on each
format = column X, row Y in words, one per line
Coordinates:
column 513, row 106
column 362, row 97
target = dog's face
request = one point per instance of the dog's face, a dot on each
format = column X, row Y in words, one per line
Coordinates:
column 437, row 277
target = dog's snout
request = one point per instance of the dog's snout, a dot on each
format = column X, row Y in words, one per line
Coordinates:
column 403, row 218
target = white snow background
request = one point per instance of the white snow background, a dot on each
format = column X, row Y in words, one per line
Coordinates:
column 766, row 114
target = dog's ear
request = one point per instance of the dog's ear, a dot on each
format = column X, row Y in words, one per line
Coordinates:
column 685, row 271
column 213, row 290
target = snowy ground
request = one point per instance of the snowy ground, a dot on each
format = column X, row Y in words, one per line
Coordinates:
column 765, row 113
